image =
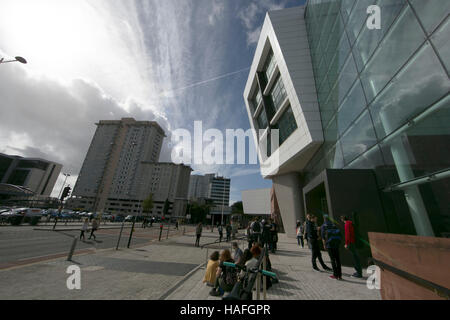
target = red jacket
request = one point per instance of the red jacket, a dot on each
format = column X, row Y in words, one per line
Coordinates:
column 349, row 233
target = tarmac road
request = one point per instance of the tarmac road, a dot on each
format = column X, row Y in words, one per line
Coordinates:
column 22, row 245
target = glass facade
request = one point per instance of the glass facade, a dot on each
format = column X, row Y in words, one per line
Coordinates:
column 384, row 102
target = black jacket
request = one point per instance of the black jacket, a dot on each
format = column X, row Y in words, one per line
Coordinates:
column 311, row 230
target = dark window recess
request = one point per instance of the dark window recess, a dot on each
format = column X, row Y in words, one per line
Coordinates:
column 286, row 125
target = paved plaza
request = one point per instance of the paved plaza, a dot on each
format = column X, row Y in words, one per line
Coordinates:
column 171, row 269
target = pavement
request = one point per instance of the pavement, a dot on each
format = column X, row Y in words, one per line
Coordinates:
column 170, row 269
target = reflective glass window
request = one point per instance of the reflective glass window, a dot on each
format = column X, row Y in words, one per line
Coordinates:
column 372, row 159
column 369, row 39
column 334, row 158
column 357, row 19
column 441, row 40
column 270, row 66
column 346, row 9
column 431, row 12
column 262, row 120
column 330, row 134
column 421, row 83
column 257, row 97
column 351, row 108
column 287, row 125
column 279, row 93
column 359, row 138
column 422, row 149
column 346, row 79
column 402, row 40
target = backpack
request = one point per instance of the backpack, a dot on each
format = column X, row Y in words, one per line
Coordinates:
column 230, row 276
column 333, row 236
column 256, row 227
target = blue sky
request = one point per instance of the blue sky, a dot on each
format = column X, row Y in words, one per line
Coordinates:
column 105, row 59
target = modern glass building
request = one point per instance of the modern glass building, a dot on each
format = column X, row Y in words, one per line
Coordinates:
column 366, row 112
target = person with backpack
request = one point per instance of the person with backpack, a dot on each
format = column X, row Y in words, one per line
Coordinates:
column 350, row 244
column 265, row 233
column 226, row 276
column 256, row 230
column 331, row 237
column 313, row 239
column 228, row 230
column 220, row 229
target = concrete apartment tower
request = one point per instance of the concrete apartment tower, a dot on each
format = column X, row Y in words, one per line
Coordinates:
column 114, row 160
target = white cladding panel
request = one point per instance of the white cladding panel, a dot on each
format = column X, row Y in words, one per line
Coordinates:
column 256, row 202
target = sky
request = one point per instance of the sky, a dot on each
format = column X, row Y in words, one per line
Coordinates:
column 171, row 61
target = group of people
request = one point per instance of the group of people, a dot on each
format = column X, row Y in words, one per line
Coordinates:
column 85, row 228
column 264, row 232
column 223, row 278
column 330, row 235
column 228, row 230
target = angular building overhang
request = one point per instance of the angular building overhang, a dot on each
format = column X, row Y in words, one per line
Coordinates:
column 284, row 33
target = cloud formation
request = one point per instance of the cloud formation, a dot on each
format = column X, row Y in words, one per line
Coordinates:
column 171, row 61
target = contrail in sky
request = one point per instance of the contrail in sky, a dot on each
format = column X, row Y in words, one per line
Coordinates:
column 206, row 81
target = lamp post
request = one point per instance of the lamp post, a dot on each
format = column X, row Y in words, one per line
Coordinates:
column 16, row 59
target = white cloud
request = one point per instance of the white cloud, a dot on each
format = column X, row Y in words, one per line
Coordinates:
column 91, row 60
column 251, row 14
column 217, row 11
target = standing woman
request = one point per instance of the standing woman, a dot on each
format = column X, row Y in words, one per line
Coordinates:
column 84, row 228
column 94, row 228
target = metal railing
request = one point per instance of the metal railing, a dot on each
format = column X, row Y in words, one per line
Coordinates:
column 243, row 289
column 240, row 241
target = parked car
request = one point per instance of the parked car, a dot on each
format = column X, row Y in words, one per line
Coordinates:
column 107, row 217
column 118, row 218
column 129, row 218
column 33, row 212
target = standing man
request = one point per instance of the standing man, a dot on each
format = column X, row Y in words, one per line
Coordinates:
column 313, row 239
column 220, row 229
column 228, row 230
column 331, row 237
column 256, row 230
column 273, row 235
column 350, row 245
column 198, row 233
column 300, row 232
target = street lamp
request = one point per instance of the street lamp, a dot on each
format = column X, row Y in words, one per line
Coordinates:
column 16, row 59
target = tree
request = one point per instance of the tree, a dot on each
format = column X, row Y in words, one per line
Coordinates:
column 237, row 207
column 166, row 208
column 147, row 204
